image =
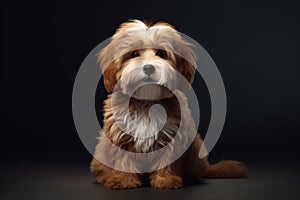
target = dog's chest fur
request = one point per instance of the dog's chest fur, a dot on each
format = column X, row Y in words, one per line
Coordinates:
column 149, row 128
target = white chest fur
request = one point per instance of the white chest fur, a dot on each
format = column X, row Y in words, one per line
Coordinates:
column 144, row 123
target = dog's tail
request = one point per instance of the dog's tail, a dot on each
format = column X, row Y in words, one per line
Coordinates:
column 226, row 169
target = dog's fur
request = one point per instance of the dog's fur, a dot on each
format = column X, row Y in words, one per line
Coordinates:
column 134, row 45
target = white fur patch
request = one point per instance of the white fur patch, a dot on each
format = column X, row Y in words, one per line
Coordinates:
column 144, row 123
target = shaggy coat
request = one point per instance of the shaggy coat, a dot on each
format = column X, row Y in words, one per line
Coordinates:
column 133, row 127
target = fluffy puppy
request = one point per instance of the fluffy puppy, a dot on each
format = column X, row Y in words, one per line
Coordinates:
column 141, row 66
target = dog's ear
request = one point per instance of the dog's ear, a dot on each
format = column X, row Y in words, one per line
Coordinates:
column 110, row 77
column 186, row 68
column 109, row 67
column 186, row 62
column 182, row 48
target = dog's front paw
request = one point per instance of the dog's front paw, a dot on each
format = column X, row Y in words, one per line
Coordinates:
column 127, row 182
column 168, row 182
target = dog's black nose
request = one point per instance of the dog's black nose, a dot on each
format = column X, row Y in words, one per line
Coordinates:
column 148, row 69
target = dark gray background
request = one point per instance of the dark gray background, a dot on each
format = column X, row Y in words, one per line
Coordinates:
column 255, row 46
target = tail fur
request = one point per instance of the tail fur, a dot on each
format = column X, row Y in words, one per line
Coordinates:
column 226, row 169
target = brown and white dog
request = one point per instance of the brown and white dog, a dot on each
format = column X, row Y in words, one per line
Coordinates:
column 142, row 53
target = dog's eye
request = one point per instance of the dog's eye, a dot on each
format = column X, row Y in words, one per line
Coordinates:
column 160, row 54
column 135, row 54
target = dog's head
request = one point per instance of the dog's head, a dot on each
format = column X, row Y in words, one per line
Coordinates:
column 147, row 61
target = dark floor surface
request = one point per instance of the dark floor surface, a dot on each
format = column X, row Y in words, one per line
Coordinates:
column 74, row 181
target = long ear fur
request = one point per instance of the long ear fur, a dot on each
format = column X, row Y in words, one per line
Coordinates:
column 108, row 57
column 186, row 65
column 109, row 77
column 186, row 58
column 109, row 65
column 187, row 69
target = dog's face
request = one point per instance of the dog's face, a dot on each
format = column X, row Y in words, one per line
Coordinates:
column 147, row 73
column 143, row 61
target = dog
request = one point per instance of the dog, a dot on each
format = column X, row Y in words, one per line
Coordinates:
column 140, row 67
